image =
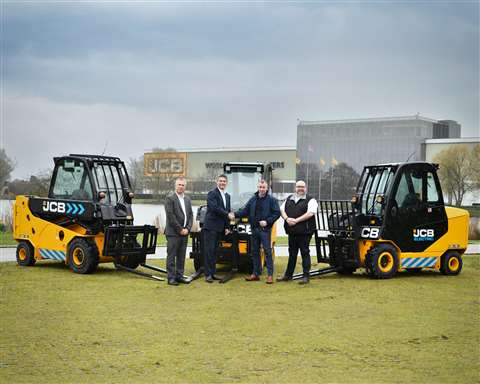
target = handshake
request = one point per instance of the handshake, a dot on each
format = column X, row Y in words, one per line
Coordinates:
column 231, row 216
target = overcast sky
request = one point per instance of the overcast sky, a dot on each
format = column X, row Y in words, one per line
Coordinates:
column 128, row 77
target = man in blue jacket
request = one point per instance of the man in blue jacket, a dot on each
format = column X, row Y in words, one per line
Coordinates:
column 262, row 211
column 216, row 223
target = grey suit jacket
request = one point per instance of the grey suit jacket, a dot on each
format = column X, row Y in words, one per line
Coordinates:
column 175, row 216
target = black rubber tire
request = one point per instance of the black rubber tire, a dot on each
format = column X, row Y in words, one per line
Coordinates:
column 381, row 262
column 25, row 254
column 82, row 256
column 346, row 271
column 451, row 263
column 129, row 261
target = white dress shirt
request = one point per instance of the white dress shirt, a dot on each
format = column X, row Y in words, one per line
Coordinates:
column 181, row 198
column 223, row 198
column 312, row 204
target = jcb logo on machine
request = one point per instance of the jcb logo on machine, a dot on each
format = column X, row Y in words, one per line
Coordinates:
column 53, row 206
column 370, row 232
column 423, row 234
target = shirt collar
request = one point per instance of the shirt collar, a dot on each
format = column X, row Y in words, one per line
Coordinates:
column 297, row 197
column 180, row 196
column 222, row 192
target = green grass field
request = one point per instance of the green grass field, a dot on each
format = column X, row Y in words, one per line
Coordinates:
column 59, row 327
column 6, row 240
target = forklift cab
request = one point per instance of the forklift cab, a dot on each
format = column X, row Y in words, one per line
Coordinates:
column 92, row 178
column 402, row 203
column 243, row 180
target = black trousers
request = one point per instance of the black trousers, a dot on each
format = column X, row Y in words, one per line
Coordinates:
column 295, row 243
column 211, row 240
column 176, row 250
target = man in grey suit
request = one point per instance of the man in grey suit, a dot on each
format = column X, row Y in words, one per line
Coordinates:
column 178, row 208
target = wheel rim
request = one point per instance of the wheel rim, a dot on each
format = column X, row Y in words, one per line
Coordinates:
column 78, row 256
column 22, row 254
column 453, row 264
column 385, row 262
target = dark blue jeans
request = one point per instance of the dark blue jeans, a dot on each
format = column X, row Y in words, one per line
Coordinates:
column 262, row 237
column 211, row 239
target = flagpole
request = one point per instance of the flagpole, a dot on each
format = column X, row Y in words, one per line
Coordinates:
column 320, row 184
column 333, row 164
column 331, row 184
column 308, row 161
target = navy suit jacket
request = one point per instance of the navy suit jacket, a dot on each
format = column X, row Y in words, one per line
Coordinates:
column 216, row 218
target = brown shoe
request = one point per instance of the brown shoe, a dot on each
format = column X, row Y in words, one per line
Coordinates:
column 269, row 280
column 252, row 278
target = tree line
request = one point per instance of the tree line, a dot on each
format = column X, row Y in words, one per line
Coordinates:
column 459, row 174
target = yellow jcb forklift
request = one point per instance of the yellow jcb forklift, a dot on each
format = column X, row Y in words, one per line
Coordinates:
column 235, row 249
column 396, row 221
column 87, row 219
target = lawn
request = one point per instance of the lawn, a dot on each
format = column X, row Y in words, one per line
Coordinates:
column 6, row 240
column 112, row 326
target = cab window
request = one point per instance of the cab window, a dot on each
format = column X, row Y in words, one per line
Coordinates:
column 72, row 181
column 409, row 190
column 432, row 191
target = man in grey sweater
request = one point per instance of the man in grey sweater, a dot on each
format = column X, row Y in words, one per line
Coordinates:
column 178, row 208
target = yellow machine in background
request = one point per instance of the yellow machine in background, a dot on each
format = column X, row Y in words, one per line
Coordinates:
column 235, row 249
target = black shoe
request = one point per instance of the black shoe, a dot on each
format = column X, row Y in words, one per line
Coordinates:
column 305, row 280
column 209, row 279
column 172, row 282
column 216, row 278
column 182, row 280
column 284, row 278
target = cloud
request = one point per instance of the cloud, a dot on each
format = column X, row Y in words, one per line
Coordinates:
column 226, row 74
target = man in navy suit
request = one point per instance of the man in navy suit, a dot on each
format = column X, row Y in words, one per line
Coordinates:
column 216, row 223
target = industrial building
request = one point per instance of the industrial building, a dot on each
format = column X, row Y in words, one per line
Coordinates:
column 355, row 143
column 361, row 142
column 201, row 166
column 329, row 155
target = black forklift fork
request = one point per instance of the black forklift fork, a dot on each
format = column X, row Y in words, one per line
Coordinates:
column 321, row 244
column 337, row 219
column 234, row 236
column 235, row 258
column 121, row 241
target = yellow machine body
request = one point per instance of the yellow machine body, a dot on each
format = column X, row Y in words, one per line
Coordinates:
column 49, row 240
column 456, row 239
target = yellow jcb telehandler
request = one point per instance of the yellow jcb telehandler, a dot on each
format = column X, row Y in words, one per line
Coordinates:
column 86, row 219
column 396, row 221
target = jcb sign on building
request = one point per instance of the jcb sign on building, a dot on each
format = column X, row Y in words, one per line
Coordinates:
column 165, row 164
